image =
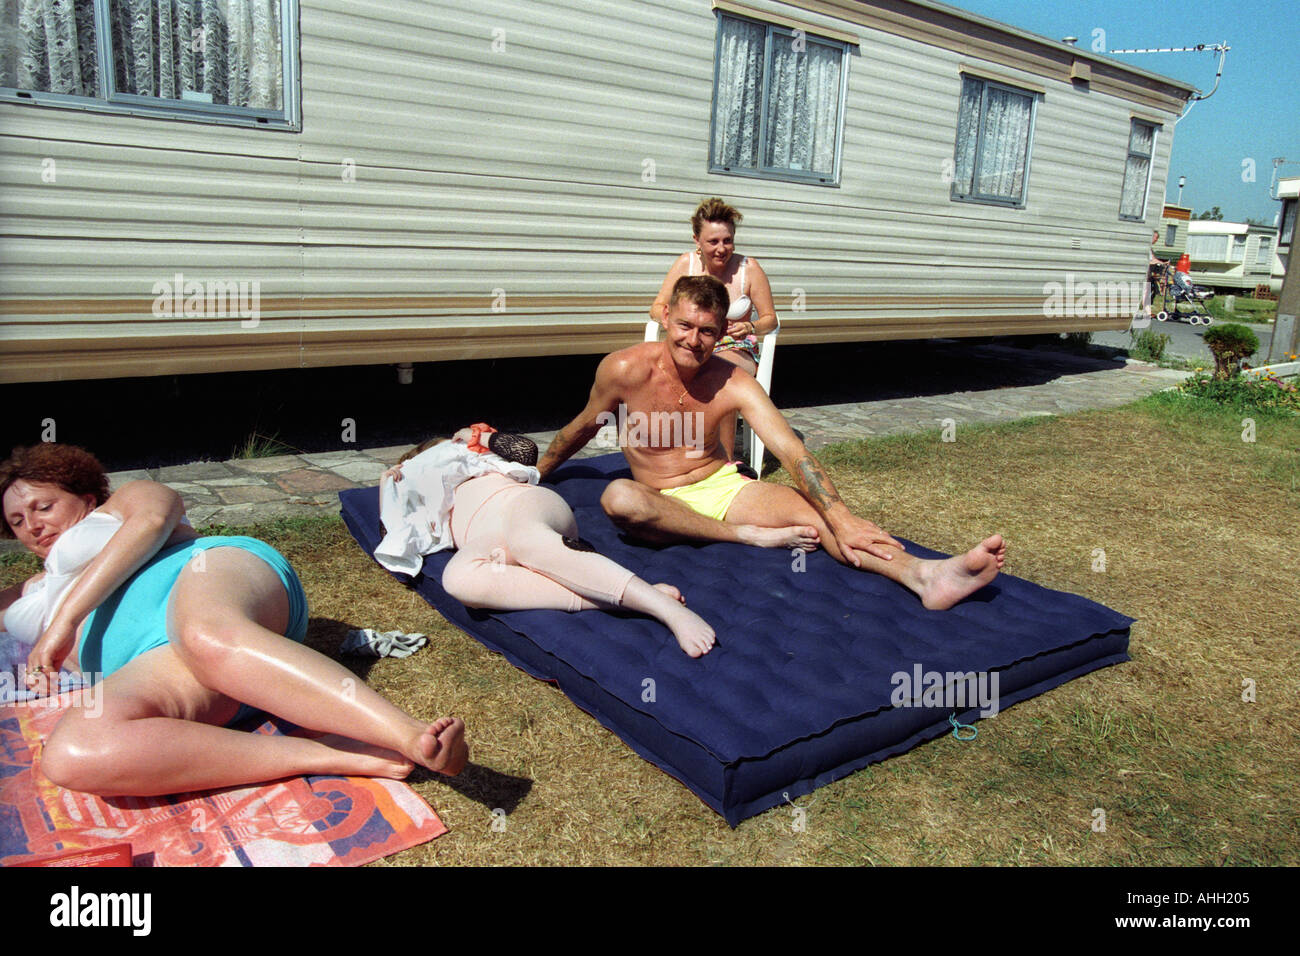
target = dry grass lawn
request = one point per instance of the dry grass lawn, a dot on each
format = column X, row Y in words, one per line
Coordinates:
column 1198, row 530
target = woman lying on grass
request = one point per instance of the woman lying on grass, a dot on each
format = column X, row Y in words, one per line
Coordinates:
column 518, row 545
column 188, row 634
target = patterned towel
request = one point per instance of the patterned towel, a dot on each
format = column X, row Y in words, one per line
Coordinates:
column 302, row 821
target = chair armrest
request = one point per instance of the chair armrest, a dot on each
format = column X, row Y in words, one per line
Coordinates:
column 766, row 356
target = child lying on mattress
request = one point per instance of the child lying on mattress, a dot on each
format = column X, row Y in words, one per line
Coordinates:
column 518, row 544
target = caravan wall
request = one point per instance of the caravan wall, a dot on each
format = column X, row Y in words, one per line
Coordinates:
column 451, row 181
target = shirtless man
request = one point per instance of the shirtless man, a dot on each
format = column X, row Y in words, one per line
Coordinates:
column 685, row 490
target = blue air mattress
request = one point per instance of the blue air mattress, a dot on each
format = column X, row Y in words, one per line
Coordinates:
column 819, row 669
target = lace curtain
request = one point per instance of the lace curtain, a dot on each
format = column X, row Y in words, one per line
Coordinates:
column 1137, row 169
column 739, row 94
column 803, row 106
column 803, row 100
column 225, row 50
column 49, row 45
column 1000, row 150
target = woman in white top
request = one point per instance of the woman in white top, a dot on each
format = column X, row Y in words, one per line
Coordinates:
column 752, row 313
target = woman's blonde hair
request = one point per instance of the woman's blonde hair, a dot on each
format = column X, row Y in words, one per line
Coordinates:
column 715, row 210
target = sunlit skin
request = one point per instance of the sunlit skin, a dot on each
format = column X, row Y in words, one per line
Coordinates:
column 38, row 513
column 161, row 729
column 681, row 374
column 716, row 245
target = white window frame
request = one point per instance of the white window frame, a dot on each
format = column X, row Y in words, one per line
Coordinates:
column 987, row 199
column 1286, row 222
column 1151, row 164
column 777, row 172
column 1264, row 251
column 109, row 100
column 1237, row 249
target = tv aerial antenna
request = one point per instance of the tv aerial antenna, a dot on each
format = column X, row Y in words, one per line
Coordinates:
column 1219, row 48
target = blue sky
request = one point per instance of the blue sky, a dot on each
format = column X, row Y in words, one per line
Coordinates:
column 1255, row 113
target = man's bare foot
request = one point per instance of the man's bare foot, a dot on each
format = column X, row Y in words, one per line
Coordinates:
column 802, row 537
column 943, row 583
column 353, row 758
column 442, row 748
column 693, row 633
column 671, row 591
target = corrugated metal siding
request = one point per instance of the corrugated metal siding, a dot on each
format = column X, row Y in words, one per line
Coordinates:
column 521, row 170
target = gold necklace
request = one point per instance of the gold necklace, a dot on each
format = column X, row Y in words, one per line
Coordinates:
column 681, row 399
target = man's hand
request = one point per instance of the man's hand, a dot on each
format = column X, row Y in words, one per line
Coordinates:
column 854, row 534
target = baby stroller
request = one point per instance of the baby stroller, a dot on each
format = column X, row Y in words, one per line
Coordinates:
column 1177, row 288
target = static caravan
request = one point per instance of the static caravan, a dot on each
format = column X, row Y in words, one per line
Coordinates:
column 253, row 184
column 1172, row 241
column 1231, row 256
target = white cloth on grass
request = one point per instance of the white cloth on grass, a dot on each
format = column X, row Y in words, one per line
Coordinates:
column 416, row 511
column 367, row 642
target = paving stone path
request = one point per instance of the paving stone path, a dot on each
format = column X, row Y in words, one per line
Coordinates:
column 245, row 491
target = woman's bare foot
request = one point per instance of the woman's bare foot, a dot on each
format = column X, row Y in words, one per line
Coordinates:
column 665, row 604
column 442, row 747
column 693, row 633
column 350, row 757
column 802, row 537
column 943, row 583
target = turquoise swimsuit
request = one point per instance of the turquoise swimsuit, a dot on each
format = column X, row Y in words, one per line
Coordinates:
column 133, row 619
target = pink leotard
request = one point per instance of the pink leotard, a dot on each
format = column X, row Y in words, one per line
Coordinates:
column 511, row 553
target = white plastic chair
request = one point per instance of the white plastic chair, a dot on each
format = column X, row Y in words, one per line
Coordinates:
column 766, row 355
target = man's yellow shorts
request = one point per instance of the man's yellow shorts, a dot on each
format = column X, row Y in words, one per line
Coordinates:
column 711, row 496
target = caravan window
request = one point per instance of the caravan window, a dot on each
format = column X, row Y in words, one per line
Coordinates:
column 1264, row 254
column 1207, row 248
column 778, row 103
column 218, row 61
column 995, row 127
column 1137, row 170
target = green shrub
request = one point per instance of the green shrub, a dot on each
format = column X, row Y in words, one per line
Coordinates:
column 1245, row 393
column 1230, row 344
column 1149, row 345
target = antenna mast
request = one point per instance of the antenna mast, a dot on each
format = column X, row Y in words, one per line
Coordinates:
column 1219, row 48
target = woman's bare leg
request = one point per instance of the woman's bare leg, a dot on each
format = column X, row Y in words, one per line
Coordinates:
column 159, row 731
column 225, row 623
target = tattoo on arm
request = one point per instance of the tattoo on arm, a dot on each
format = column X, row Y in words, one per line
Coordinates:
column 566, row 441
column 813, row 481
